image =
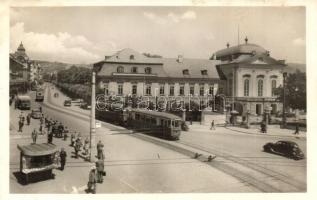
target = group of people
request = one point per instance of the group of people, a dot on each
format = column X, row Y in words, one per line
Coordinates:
column 98, row 171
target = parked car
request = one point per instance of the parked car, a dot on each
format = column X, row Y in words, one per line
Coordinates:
column 36, row 114
column 285, row 148
column 67, row 103
column 85, row 105
column 23, row 102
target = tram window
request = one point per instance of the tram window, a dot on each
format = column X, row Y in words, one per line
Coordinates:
column 176, row 123
column 162, row 122
column 153, row 120
column 172, row 123
column 169, row 123
column 137, row 116
column 142, row 117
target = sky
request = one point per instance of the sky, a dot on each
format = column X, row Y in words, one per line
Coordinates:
column 83, row 35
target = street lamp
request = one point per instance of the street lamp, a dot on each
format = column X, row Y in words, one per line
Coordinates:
column 284, row 84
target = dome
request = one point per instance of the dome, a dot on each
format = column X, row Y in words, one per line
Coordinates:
column 241, row 49
column 21, row 47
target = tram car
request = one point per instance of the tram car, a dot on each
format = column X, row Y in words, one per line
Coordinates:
column 39, row 95
column 160, row 124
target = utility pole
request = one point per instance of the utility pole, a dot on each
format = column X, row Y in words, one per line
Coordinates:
column 92, row 134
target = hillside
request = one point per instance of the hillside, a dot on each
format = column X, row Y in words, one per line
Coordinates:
column 49, row 67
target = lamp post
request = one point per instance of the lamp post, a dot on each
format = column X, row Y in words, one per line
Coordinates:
column 284, row 84
column 248, row 120
column 92, row 134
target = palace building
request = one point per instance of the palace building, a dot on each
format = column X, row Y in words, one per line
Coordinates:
column 251, row 76
column 130, row 73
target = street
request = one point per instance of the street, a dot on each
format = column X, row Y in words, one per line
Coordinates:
column 132, row 165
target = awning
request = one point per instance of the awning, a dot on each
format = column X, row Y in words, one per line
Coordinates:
column 38, row 149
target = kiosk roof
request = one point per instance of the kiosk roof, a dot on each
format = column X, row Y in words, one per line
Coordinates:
column 38, row 149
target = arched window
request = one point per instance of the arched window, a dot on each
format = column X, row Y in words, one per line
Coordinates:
column 273, row 86
column 246, row 87
column 260, row 87
column 148, row 70
column 120, row 69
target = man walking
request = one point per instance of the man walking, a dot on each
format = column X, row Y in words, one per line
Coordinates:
column 34, row 136
column 28, row 119
column 296, row 129
column 63, row 156
column 92, row 180
column 50, row 138
column 100, row 170
column 100, row 150
column 212, row 125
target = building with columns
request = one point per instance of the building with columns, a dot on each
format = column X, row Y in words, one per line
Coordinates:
column 130, row 73
column 251, row 76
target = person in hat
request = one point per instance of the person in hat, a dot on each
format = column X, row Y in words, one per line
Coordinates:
column 92, row 180
column 100, row 149
column 28, row 119
column 63, row 156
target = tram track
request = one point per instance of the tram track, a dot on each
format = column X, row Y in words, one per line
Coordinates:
column 245, row 171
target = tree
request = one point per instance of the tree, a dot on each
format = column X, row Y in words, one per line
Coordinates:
column 295, row 91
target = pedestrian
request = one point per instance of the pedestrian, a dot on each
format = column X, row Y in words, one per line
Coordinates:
column 77, row 147
column 50, row 138
column 72, row 139
column 92, row 180
column 100, row 149
column 296, row 129
column 28, row 119
column 63, row 156
column 34, row 136
column 20, row 125
column 41, row 129
column 65, row 133
column 40, row 108
column 100, row 170
column 86, row 146
column 212, row 127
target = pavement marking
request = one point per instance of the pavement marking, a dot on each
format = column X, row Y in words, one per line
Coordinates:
column 129, row 185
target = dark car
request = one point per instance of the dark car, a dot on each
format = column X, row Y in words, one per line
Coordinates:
column 67, row 103
column 286, row 148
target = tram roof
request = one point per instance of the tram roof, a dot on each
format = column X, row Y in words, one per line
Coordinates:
column 157, row 114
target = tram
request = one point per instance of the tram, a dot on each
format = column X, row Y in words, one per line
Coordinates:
column 159, row 124
column 39, row 95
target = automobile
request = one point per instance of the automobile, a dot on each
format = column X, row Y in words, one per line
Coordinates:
column 36, row 114
column 67, row 103
column 285, row 148
column 84, row 105
column 98, row 124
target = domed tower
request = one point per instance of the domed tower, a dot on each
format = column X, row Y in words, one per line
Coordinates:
column 20, row 54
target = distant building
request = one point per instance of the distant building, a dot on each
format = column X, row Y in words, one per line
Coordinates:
column 251, row 76
column 130, row 73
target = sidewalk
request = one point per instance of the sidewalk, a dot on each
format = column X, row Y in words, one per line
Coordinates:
column 238, row 130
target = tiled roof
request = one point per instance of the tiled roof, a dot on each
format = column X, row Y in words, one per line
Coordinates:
column 261, row 58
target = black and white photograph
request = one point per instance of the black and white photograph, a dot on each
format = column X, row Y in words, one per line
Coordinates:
column 142, row 99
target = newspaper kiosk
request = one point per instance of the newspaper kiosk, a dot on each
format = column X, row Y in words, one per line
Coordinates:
column 37, row 160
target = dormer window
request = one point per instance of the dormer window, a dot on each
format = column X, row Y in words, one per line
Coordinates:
column 148, row 70
column 120, row 69
column 204, row 72
column 131, row 57
column 134, row 70
column 185, row 72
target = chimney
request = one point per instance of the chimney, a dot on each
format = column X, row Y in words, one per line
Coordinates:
column 228, row 45
column 180, row 58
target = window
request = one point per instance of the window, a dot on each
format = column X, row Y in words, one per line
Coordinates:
column 120, row 69
column 185, row 72
column 148, row 90
column 273, row 84
column 131, row 57
column 162, row 89
column 204, row 72
column 120, row 89
column 134, row 89
column 148, row 70
column 258, row 109
column 191, row 89
column 106, row 88
column 201, row 90
column 134, row 70
column 181, row 90
column 171, row 90
column 246, row 87
column 211, row 90
column 260, row 87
